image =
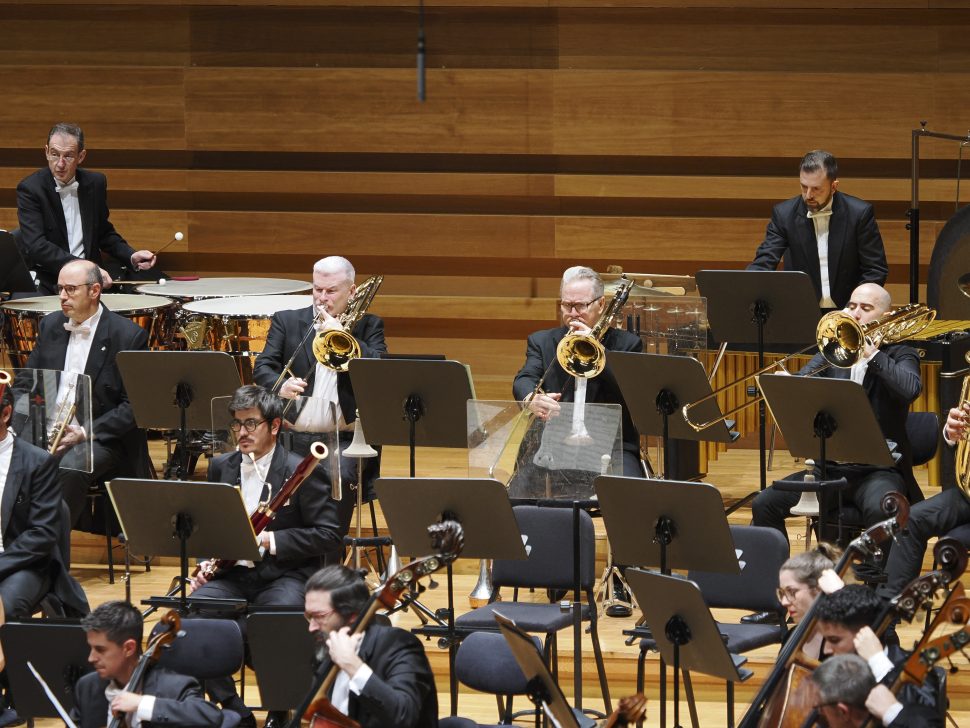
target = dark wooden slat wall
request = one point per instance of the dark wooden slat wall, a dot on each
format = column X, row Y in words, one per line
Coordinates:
column 654, row 135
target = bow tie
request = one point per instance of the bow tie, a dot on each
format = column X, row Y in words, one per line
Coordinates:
column 67, row 189
column 820, row 213
column 82, row 329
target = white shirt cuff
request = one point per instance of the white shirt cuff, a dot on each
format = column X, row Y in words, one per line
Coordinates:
column 272, row 543
column 359, row 680
column 145, row 707
column 891, row 714
column 946, row 439
column 880, row 665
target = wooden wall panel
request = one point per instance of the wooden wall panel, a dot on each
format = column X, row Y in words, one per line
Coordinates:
column 656, row 135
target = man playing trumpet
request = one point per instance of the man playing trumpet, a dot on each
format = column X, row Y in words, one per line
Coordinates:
column 331, row 403
column 890, row 375
column 582, row 303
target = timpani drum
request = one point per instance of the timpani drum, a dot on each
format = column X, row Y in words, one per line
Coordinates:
column 224, row 287
column 237, row 326
column 21, row 319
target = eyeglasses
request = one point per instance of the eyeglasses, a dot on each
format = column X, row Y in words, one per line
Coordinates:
column 318, row 616
column 68, row 158
column 250, row 424
column 788, row 592
column 70, row 289
column 579, row 306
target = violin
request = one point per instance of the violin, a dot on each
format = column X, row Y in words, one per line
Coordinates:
column 151, row 654
column 447, row 540
column 772, row 703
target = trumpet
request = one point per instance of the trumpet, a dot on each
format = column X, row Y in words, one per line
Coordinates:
column 336, row 348
column 841, row 340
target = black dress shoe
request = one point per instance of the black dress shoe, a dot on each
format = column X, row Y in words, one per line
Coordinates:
column 620, row 603
column 760, row 618
column 9, row 717
column 276, row 719
column 869, row 574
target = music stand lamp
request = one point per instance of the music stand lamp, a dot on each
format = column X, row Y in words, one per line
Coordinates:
column 185, row 519
column 672, row 382
column 685, row 632
column 58, row 650
column 826, row 419
column 686, row 528
column 173, row 390
column 482, row 508
column 760, row 307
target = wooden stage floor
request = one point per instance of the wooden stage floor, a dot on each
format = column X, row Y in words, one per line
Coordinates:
column 734, row 473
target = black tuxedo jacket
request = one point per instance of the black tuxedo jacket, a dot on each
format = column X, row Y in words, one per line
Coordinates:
column 114, row 422
column 856, row 251
column 306, row 529
column 287, row 328
column 178, row 701
column 918, row 716
column 401, row 692
column 541, row 352
column 30, row 512
column 892, row 382
column 44, row 230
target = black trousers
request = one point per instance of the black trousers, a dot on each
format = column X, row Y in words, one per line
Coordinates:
column 22, row 591
column 76, row 483
column 934, row 516
column 771, row 507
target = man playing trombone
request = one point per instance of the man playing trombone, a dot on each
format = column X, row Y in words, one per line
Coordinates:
column 331, row 403
column 582, row 303
column 890, row 375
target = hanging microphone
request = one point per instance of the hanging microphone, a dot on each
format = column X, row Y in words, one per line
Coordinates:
column 421, row 94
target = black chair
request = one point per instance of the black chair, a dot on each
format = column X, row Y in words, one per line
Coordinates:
column 763, row 551
column 485, row 663
column 209, row 648
column 549, row 538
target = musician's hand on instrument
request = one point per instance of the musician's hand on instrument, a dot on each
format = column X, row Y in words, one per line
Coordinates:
column 293, row 388
column 956, row 422
column 880, row 700
column 106, row 279
column 342, row 647
column 330, row 323
column 73, row 435
column 578, row 326
column 872, row 344
column 200, row 580
column 143, row 259
column 830, row 582
column 867, row 645
column 544, row 405
column 125, row 702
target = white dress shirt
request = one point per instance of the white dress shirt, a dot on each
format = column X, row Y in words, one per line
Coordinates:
column 6, row 453
column 72, row 216
column 821, row 219
column 344, row 685
column 253, row 480
column 75, row 361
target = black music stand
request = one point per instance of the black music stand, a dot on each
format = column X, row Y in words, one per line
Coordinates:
column 282, row 652
column 58, row 649
column 544, row 691
column 14, row 274
column 413, row 402
column 656, row 386
column 184, row 519
column 826, row 419
column 669, row 524
column 758, row 307
column 685, row 631
column 173, row 390
column 482, row 508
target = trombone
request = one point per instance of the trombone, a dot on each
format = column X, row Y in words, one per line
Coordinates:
column 841, row 340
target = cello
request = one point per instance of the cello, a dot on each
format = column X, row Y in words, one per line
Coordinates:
column 771, row 705
column 447, row 540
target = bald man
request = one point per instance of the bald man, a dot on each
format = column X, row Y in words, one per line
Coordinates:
column 84, row 337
